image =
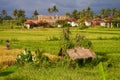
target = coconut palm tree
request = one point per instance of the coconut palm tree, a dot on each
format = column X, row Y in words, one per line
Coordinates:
column 14, row 13
column 75, row 14
column 68, row 14
column 83, row 13
column 35, row 14
column 102, row 13
column 4, row 13
column 54, row 8
column 88, row 12
column 21, row 13
column 50, row 10
column 113, row 11
column 108, row 12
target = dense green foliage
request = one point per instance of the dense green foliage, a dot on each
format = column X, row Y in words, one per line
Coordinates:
column 24, row 57
column 105, row 43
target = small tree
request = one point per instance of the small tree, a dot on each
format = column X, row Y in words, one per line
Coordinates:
column 82, row 41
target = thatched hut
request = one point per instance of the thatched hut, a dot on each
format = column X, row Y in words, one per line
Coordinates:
column 80, row 53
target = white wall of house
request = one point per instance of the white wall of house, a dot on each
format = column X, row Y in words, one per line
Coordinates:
column 73, row 24
column 28, row 26
column 103, row 24
column 59, row 26
column 87, row 23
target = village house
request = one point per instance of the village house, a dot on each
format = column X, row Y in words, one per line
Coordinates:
column 72, row 22
column 30, row 23
column 52, row 19
column 44, row 19
column 104, row 22
column 87, row 23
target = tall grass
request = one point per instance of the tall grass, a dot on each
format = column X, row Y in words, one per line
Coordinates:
column 101, row 68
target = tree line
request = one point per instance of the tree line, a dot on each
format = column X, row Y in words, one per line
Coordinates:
column 89, row 13
column 78, row 14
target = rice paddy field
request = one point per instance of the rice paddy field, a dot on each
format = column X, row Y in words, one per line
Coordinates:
column 105, row 41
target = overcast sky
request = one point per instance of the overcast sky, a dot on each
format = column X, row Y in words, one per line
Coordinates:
column 63, row 5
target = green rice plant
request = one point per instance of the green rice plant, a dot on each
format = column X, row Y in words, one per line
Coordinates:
column 100, row 38
column 83, row 27
column 66, row 34
column 53, row 38
column 102, row 72
column 115, row 38
column 14, row 40
column 1, row 41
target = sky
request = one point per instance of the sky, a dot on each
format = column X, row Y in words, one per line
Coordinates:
column 63, row 5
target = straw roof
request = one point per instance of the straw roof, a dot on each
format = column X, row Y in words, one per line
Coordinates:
column 80, row 53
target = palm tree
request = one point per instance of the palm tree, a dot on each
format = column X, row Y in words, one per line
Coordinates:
column 83, row 13
column 113, row 11
column 54, row 8
column 108, row 12
column 117, row 13
column 75, row 14
column 102, row 13
column 4, row 13
column 88, row 12
column 21, row 13
column 15, row 12
column 50, row 10
column 35, row 14
column 67, row 14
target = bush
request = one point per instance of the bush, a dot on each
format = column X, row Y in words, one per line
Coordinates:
column 68, row 44
column 38, row 56
column 24, row 57
column 83, row 42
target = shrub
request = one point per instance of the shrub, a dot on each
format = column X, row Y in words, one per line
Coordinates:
column 68, row 44
column 83, row 42
column 63, row 23
column 38, row 56
column 24, row 57
column 66, row 34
